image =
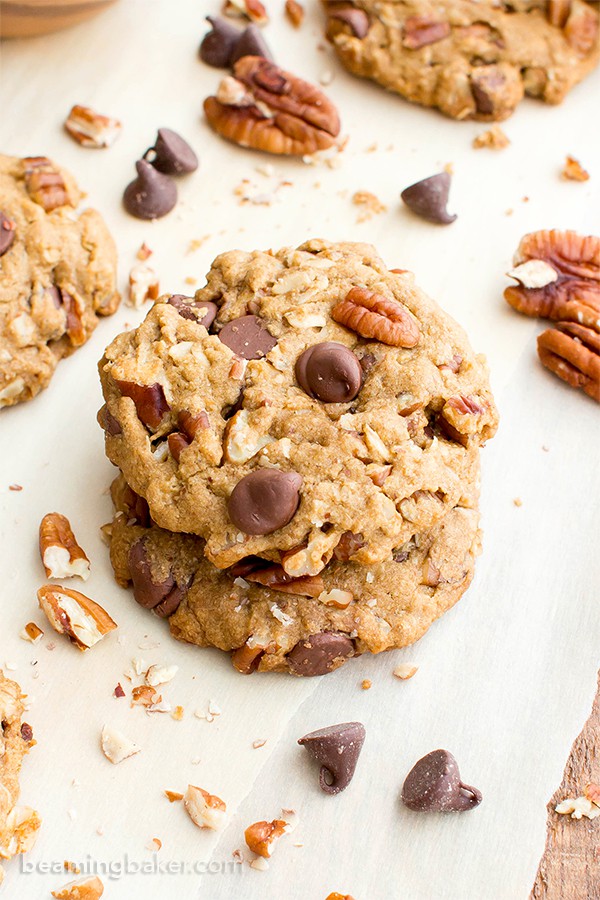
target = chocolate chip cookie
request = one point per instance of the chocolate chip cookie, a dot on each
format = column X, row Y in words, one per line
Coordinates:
column 308, row 625
column 18, row 827
column 57, row 273
column 300, row 397
column 471, row 60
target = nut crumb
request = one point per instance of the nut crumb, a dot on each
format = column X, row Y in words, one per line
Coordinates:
column 577, row 807
column 173, row 796
column 517, row 501
column 118, row 691
column 144, row 252
column 177, row 713
column 204, row 809
column 294, row 12
column 143, row 285
column 369, row 204
column 259, row 743
column 32, row 633
column 116, row 746
column 492, row 139
column 154, row 845
column 90, row 888
column 405, row 671
column 366, row 683
column 573, row 170
column 69, row 866
column 196, row 243
column 15, row 487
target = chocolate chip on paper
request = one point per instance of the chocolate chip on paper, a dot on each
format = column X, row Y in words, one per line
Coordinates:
column 264, row 500
column 320, row 653
column 337, row 748
column 429, row 198
column 151, row 195
column 217, row 45
column 171, row 154
column 329, row 372
column 247, row 337
column 433, row 785
column 251, row 43
column 7, row 233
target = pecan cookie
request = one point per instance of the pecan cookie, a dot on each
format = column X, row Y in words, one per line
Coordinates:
column 301, row 396
column 471, row 60
column 18, row 826
column 308, row 625
column 57, row 274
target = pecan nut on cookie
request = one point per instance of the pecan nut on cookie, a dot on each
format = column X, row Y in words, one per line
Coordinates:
column 301, row 396
column 57, row 273
column 471, row 60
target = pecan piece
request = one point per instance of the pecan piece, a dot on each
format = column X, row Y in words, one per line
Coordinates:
column 204, row 809
column 261, row 836
column 82, row 620
column 566, row 286
column 246, row 658
column 276, row 578
column 149, row 399
column 268, row 109
column 246, row 9
column 374, row 316
column 44, row 183
column 419, row 31
column 572, row 352
column 463, row 417
column 90, row 129
column 62, row 556
column 295, row 12
column 558, row 12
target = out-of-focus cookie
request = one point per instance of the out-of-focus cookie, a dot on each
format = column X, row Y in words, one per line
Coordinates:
column 57, row 273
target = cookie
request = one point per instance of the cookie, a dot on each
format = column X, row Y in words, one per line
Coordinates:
column 57, row 273
column 18, row 827
column 304, row 403
column 305, row 626
column 471, row 60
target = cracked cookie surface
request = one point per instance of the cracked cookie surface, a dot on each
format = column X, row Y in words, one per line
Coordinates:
column 256, row 455
column 57, row 273
column 471, row 60
column 308, row 626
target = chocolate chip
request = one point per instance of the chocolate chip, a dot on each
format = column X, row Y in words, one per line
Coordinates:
column 486, row 85
column 171, row 155
column 356, row 19
column 7, row 233
column 264, row 500
column 337, row 748
column 428, row 198
column 433, row 785
column 203, row 312
column 26, row 732
column 247, row 337
column 149, row 399
column 251, row 43
column 217, row 45
column 163, row 597
column 330, row 372
column 318, row 654
column 151, row 195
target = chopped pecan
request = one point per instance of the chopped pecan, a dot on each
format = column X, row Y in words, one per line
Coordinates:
column 177, row 442
column 204, row 809
column 461, row 418
column 62, row 556
column 246, row 659
column 261, row 836
column 419, row 31
column 268, row 109
column 82, row 620
column 143, row 285
column 350, row 543
column 75, row 329
column 572, row 352
column 295, row 12
column 574, row 171
column 558, row 12
column 90, row 129
column 44, row 183
column 374, row 316
column 569, row 286
column 246, row 9
column 149, row 399
column 276, row 578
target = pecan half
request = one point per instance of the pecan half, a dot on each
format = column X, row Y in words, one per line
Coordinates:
column 276, row 578
column 565, row 285
column 268, row 109
column 374, row 316
column 419, row 31
column 44, row 183
column 572, row 352
column 62, row 557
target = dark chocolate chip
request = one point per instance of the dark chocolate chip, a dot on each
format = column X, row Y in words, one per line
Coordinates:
column 171, row 155
column 7, row 233
column 428, row 198
column 356, row 19
column 149, row 399
column 264, row 500
column 163, row 597
column 107, row 421
column 318, row 654
column 217, row 45
column 251, row 43
column 203, row 312
column 433, row 785
column 337, row 748
column 151, row 195
column 26, row 732
column 330, row 372
column 247, row 337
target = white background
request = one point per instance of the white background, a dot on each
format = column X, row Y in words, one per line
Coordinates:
column 505, row 680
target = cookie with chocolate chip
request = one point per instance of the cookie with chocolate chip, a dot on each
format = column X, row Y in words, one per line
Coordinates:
column 309, row 625
column 300, row 397
column 470, row 60
column 57, row 273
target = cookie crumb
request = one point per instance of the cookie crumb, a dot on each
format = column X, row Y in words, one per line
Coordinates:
column 573, row 170
column 259, row 743
column 196, row 243
column 190, row 280
column 492, row 139
column 177, row 713
column 369, row 204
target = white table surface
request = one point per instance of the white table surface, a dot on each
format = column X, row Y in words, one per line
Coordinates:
column 505, row 680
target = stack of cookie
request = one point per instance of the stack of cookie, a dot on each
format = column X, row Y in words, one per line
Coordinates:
column 299, row 455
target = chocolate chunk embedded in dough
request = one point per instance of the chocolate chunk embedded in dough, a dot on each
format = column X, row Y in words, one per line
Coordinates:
column 264, row 500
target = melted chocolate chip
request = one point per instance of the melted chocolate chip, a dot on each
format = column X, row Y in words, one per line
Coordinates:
column 264, row 500
column 433, row 785
column 217, row 45
column 329, row 372
column 151, row 195
column 171, row 154
column 203, row 312
column 428, row 198
column 7, row 233
column 337, row 748
column 247, row 337
column 320, row 653
column 163, row 597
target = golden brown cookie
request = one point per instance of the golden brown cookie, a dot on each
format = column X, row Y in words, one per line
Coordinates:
column 300, row 396
column 57, row 273
column 471, row 60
